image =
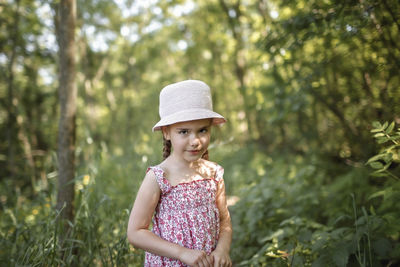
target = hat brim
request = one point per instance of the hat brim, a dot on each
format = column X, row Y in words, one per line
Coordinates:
column 189, row 115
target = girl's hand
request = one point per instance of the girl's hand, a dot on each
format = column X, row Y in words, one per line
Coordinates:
column 196, row 258
column 221, row 259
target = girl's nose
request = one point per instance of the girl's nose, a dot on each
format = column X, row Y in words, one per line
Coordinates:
column 194, row 141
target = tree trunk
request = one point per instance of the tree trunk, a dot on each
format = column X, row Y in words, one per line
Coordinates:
column 12, row 101
column 65, row 27
column 240, row 67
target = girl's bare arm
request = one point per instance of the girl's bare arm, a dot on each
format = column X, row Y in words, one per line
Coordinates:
column 221, row 253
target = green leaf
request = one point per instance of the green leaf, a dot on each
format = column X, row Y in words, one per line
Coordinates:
column 388, row 158
column 376, row 165
column 396, row 137
column 322, row 261
column 361, row 221
column 297, row 260
column 386, row 193
column 376, row 124
column 390, row 128
column 389, row 149
column 382, row 247
column 320, row 242
column 375, row 158
column 340, row 254
column 339, row 232
column 372, row 210
column 377, row 194
column 364, row 212
column 305, row 235
column 385, row 125
column 379, row 135
column 382, row 140
column 379, row 174
column 340, row 218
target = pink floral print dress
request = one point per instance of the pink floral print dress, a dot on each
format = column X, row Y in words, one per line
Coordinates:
column 186, row 214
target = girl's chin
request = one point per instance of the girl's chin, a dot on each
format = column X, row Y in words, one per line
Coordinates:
column 191, row 157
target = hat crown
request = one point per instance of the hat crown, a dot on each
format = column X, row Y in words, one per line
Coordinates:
column 185, row 95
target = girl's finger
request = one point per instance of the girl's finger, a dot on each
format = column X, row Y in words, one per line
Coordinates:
column 210, row 261
column 211, row 258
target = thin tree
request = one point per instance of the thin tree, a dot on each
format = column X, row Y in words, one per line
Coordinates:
column 65, row 28
column 12, row 116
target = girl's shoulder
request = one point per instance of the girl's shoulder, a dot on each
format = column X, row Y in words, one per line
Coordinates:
column 211, row 169
column 157, row 173
column 209, row 164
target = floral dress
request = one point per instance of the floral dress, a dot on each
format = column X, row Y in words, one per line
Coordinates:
column 186, row 215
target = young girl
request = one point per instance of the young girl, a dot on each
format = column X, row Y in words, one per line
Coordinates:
column 185, row 192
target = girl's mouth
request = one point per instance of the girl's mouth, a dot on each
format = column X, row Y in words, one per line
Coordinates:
column 194, row 152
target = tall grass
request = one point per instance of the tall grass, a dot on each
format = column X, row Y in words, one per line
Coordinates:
column 97, row 237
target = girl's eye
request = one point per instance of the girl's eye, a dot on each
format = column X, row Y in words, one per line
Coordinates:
column 204, row 130
column 183, row 132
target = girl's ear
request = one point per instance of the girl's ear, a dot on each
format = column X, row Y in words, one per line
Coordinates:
column 165, row 132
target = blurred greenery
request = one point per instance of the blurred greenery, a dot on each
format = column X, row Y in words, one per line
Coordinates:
column 311, row 148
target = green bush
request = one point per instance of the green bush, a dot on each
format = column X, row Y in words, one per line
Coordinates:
column 308, row 212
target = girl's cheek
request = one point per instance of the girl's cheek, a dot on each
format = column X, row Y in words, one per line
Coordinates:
column 205, row 140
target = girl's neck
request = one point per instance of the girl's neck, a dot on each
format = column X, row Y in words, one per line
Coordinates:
column 183, row 164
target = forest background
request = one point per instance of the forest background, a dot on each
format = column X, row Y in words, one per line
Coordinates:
column 311, row 91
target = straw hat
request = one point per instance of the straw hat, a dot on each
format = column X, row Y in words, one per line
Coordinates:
column 186, row 101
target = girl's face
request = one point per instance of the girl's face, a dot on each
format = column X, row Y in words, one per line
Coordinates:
column 189, row 139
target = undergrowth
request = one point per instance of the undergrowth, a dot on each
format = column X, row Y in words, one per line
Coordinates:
column 293, row 211
column 310, row 212
column 97, row 237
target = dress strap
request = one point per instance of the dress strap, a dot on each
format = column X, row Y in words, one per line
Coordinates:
column 219, row 173
column 161, row 181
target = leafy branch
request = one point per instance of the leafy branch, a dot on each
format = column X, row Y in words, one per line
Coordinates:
column 391, row 153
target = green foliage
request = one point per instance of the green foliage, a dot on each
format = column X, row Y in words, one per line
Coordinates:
column 302, row 214
column 390, row 153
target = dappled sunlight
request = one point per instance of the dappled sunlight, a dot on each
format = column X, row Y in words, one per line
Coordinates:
column 232, row 200
column 310, row 91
